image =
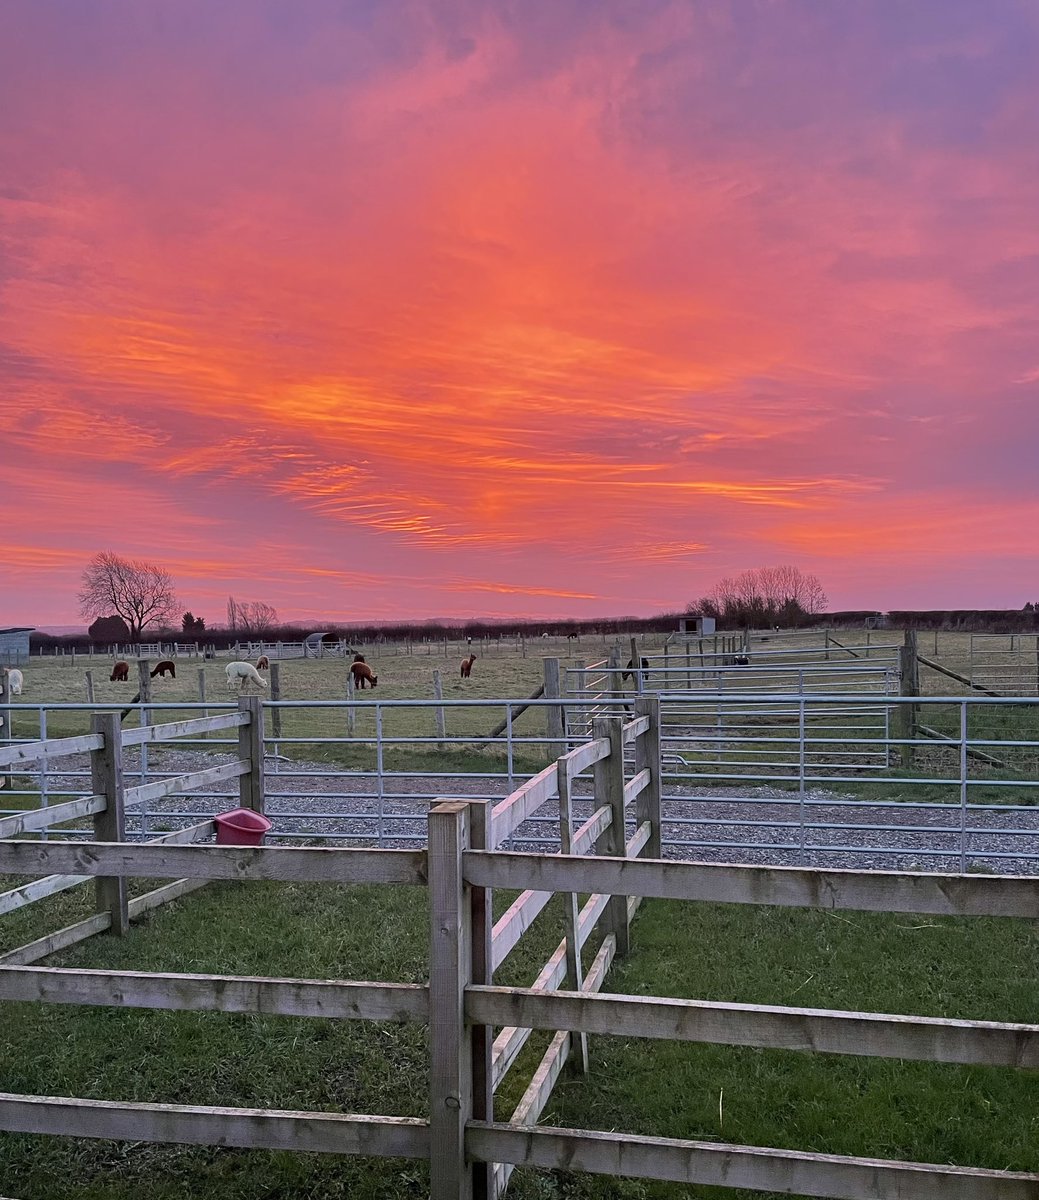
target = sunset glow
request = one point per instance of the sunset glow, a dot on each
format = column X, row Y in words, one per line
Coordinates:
column 562, row 308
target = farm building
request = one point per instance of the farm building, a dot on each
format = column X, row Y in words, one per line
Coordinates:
column 698, row 626
column 14, row 645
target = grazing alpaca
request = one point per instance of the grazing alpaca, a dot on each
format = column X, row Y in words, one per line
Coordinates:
column 120, row 672
column 240, row 673
column 362, row 674
column 15, row 679
column 467, row 665
column 629, row 672
column 165, row 668
column 263, row 663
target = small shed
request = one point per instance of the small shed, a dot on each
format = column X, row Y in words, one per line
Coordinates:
column 697, row 626
column 14, row 645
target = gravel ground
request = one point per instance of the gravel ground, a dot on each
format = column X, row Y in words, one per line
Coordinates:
column 759, row 825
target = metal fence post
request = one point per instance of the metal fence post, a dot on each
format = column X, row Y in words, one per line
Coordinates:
column 450, row 949
column 106, row 779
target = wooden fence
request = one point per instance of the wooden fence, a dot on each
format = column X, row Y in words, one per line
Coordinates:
column 470, row 1154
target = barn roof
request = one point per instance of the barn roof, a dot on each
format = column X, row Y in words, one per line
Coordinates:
column 19, row 629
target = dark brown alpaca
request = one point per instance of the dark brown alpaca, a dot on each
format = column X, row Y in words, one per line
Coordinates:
column 165, row 668
column 362, row 674
column 263, row 663
column 120, row 672
column 467, row 665
column 629, row 671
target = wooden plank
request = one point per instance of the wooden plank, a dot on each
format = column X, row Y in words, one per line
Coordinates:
column 539, row 1090
column 176, row 784
column 247, row 1128
column 26, row 752
column 43, row 818
column 61, row 939
column 106, row 779
column 177, row 729
column 797, row 887
column 184, row 837
column 929, row 662
column 583, row 757
column 634, row 729
column 718, row 1164
column 511, row 812
column 554, row 712
column 511, row 1040
column 638, row 840
column 589, row 833
column 315, row 864
column 870, row 1035
column 450, row 947
column 636, row 785
column 176, row 992
column 38, row 889
column 163, row 895
column 515, row 922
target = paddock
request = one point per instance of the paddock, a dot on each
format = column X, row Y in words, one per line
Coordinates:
column 477, row 1029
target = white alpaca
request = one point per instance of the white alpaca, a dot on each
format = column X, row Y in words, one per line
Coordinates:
column 240, row 673
column 15, row 679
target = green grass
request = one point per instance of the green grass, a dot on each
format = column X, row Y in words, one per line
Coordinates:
column 982, row 969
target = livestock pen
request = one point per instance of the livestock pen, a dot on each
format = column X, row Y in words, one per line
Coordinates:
column 477, row 1028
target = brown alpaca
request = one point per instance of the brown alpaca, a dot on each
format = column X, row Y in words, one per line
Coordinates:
column 467, row 665
column 629, row 672
column 263, row 663
column 120, row 672
column 358, row 658
column 165, row 668
column 362, row 674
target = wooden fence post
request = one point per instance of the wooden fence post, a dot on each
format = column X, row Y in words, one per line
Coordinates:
column 574, row 966
column 438, row 712
column 450, row 956
column 482, row 1036
column 88, row 677
column 106, row 779
column 202, row 689
column 276, row 695
column 910, row 672
column 6, row 732
column 351, row 716
column 647, row 756
column 250, row 748
column 609, row 789
column 613, row 667
column 554, row 712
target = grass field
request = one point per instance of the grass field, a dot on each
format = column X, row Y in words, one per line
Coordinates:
column 983, row 969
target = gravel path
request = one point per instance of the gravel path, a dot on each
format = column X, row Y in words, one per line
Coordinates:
column 758, row 824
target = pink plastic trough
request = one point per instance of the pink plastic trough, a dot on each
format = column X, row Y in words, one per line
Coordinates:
column 241, row 827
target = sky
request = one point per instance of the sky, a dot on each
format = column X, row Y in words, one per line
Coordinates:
column 394, row 309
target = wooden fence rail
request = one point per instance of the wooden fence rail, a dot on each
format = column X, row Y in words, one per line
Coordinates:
column 470, row 1156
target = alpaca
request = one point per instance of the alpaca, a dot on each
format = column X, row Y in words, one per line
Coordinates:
column 241, row 673
column 467, row 665
column 166, row 667
column 263, row 663
column 362, row 674
column 120, row 672
column 629, row 672
column 741, row 660
column 359, row 658
column 15, row 679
